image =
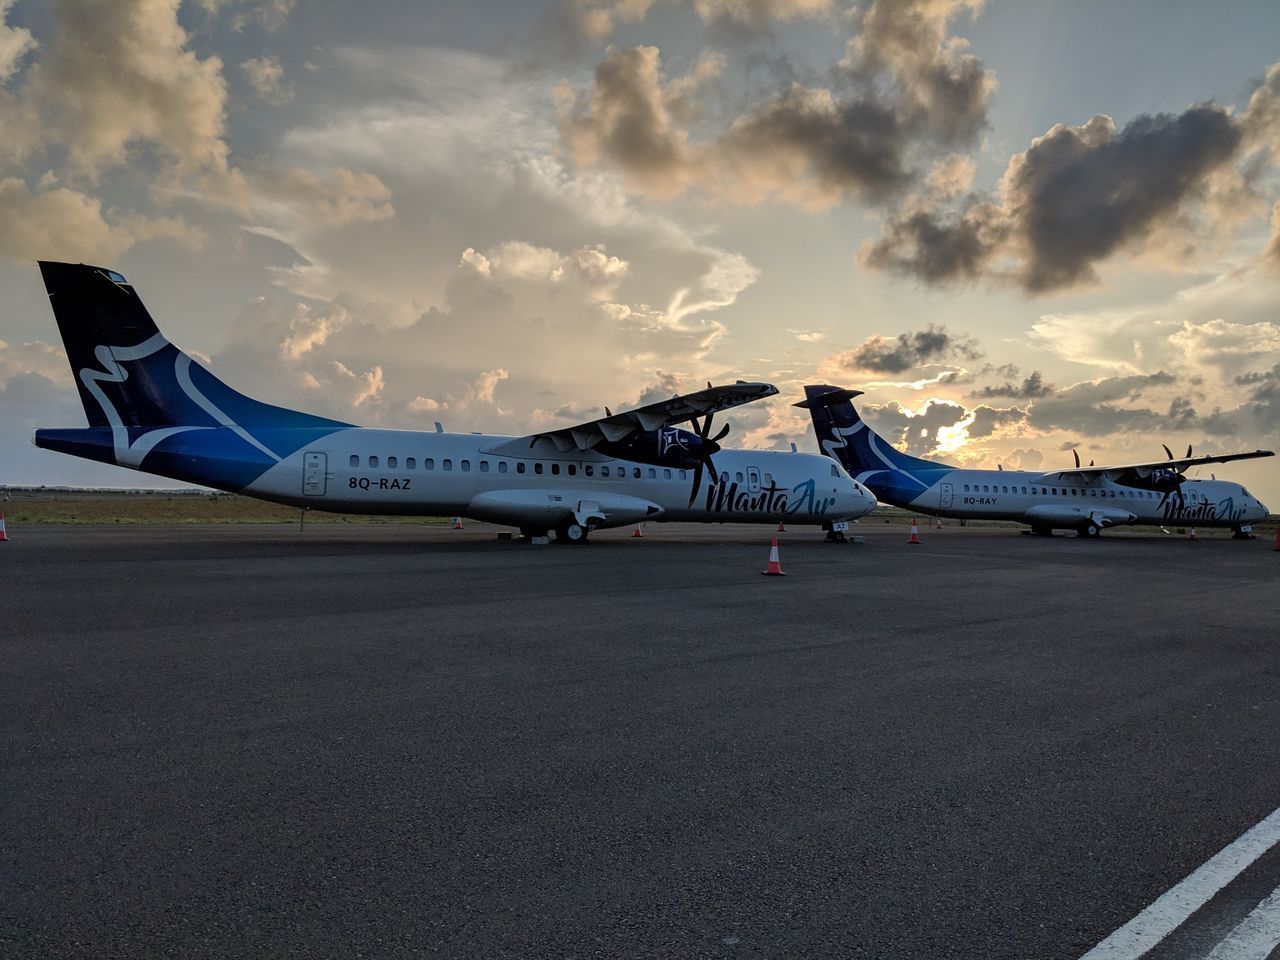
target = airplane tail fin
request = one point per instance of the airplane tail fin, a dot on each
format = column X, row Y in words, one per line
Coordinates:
column 845, row 437
column 128, row 374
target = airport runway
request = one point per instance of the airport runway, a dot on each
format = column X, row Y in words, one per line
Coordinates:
column 394, row 741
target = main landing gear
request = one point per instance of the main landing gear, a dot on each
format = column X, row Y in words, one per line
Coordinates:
column 572, row 533
column 1089, row 530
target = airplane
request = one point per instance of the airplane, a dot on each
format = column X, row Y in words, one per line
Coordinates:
column 152, row 408
column 1084, row 499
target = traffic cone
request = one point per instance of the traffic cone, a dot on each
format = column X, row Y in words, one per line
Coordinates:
column 1276, row 547
column 774, row 569
column 915, row 533
column 637, row 532
column 4, row 536
column 938, row 525
column 782, row 527
column 1193, row 534
column 457, row 523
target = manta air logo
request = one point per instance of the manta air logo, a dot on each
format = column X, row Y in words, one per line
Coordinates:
column 1225, row 509
column 131, row 454
column 803, row 497
column 671, row 438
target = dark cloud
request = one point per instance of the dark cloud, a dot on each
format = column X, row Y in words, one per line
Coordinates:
column 987, row 420
column 1030, row 388
column 840, row 146
column 1076, row 196
column 1108, row 406
column 908, row 350
column 935, row 79
column 904, row 92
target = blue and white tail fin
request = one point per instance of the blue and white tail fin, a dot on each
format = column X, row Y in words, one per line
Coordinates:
column 894, row 476
column 147, row 400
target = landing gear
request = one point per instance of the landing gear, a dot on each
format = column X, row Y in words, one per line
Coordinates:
column 1040, row 530
column 1089, row 530
column 1241, row 532
column 573, row 533
column 835, row 536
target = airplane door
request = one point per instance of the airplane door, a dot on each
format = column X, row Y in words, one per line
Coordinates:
column 314, row 467
column 753, row 479
column 946, row 496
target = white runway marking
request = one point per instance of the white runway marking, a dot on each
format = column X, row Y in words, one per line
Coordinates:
column 1256, row 936
column 1168, row 912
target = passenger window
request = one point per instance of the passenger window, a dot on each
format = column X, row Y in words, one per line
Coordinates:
column 666, row 474
column 653, row 474
column 446, row 464
column 985, row 488
column 588, row 469
column 502, row 466
column 604, row 471
column 636, row 473
column 355, row 460
column 1055, row 491
column 429, row 463
column 682, row 475
column 768, row 477
column 573, row 471
column 373, row 461
column 519, row 466
column 537, row 468
column 555, row 469
column 484, row 466
column 411, row 463
column 466, row 466
column 391, row 463
column 738, row 476
column 1004, row 489
column 966, row 488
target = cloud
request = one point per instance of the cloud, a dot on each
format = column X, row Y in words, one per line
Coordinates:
column 1075, row 197
column 903, row 91
column 1033, row 386
column 627, row 122
column 934, row 77
column 15, row 43
column 991, row 420
column 121, row 73
column 265, row 77
column 906, row 351
column 66, row 224
column 268, row 14
column 918, row 433
column 295, row 198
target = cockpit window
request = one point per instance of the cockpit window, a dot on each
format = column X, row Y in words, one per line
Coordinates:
column 834, row 471
column 115, row 277
column 1245, row 492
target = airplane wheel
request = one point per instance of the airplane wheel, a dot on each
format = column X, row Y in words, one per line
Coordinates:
column 573, row 533
column 1090, row 529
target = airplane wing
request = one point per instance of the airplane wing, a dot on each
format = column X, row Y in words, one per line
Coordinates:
column 1143, row 470
column 664, row 413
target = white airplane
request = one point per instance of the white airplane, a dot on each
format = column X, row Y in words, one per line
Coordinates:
column 152, row 408
column 1082, row 498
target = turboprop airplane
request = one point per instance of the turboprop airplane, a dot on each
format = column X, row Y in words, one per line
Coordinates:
column 152, row 408
column 1085, row 499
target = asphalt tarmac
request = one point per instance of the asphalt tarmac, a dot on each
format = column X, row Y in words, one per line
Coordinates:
column 384, row 741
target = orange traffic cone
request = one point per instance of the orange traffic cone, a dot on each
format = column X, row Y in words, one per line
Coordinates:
column 637, row 532
column 1276, row 547
column 457, row 523
column 915, row 533
column 4, row 536
column 782, row 527
column 774, row 569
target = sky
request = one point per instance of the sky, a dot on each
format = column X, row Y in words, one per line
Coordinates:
column 1020, row 228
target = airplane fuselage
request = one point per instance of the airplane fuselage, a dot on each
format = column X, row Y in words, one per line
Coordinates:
column 404, row 472
column 1023, row 496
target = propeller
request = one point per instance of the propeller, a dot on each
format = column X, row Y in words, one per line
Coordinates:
column 1077, row 456
column 708, row 446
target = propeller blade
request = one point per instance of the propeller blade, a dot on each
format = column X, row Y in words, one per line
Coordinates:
column 697, row 482
column 721, row 435
column 1188, row 451
column 1077, row 456
column 1168, row 452
column 608, row 412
